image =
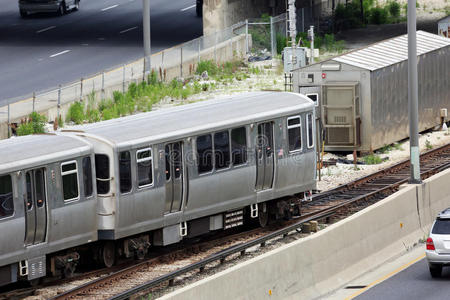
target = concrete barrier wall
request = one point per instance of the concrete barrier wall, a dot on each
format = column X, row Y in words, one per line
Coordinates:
column 327, row 260
column 234, row 48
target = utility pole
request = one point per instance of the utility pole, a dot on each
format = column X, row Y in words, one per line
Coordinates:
column 292, row 17
column 311, row 36
column 413, row 94
column 146, row 30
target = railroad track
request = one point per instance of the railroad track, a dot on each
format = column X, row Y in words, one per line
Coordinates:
column 328, row 206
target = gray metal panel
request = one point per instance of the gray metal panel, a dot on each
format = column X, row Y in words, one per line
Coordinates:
column 392, row 51
column 36, row 267
column 173, row 123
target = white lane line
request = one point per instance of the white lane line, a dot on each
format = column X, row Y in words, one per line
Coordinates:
column 189, row 7
column 109, row 7
column 60, row 53
column 45, row 29
column 129, row 29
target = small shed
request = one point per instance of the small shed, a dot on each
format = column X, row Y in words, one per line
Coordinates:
column 362, row 96
column 444, row 27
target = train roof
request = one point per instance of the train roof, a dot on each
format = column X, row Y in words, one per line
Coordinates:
column 34, row 150
column 194, row 119
column 392, row 51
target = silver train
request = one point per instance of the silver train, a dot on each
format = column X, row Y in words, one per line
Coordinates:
column 115, row 188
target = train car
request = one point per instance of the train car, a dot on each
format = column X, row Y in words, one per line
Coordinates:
column 47, row 205
column 362, row 96
column 188, row 170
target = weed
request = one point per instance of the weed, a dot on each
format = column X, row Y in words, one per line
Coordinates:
column 25, row 129
column 372, row 159
column 76, row 113
column 35, row 124
column 428, row 145
column 385, row 149
column 208, row 66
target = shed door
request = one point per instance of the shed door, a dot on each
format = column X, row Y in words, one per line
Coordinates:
column 340, row 114
column 35, row 207
column 174, row 177
column 264, row 156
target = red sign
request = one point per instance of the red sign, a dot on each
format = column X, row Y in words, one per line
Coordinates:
column 324, row 75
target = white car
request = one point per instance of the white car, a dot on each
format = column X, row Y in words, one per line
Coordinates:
column 438, row 244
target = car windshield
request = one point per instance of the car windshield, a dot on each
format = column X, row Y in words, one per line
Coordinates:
column 442, row 226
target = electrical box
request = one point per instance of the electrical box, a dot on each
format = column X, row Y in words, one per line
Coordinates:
column 294, row 59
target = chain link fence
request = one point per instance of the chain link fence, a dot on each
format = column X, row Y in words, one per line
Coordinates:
column 180, row 61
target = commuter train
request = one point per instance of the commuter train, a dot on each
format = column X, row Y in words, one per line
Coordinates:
column 115, row 188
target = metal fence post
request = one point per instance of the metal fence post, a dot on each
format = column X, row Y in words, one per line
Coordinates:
column 246, row 36
column 103, row 85
column 59, row 103
column 272, row 38
column 199, row 48
column 81, row 89
column 34, row 100
column 181, row 58
column 9, row 121
column 123, row 79
column 215, row 46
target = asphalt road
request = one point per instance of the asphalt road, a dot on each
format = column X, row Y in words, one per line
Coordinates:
column 43, row 51
column 412, row 283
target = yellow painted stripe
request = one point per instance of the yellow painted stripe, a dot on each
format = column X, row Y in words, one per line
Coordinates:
column 398, row 270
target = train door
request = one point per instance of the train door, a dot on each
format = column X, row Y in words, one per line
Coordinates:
column 174, row 177
column 264, row 156
column 35, row 207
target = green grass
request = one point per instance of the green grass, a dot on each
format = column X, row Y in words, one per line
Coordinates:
column 428, row 145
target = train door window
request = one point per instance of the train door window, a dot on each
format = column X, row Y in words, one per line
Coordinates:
column 204, row 153
column 314, row 97
column 69, row 173
column 102, row 172
column 125, row 171
column 6, row 197
column 309, row 130
column 221, row 150
column 29, row 191
column 87, row 176
column 239, row 146
column 144, row 167
column 177, row 159
column 294, row 133
column 39, row 182
column 168, row 161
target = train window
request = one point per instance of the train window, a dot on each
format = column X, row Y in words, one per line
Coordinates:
column 295, row 133
column 87, row 176
column 239, row 146
column 6, row 197
column 144, row 167
column 204, row 153
column 314, row 97
column 221, row 150
column 102, row 172
column 309, row 130
column 125, row 171
column 39, row 182
column 69, row 173
column 29, row 193
column 168, row 161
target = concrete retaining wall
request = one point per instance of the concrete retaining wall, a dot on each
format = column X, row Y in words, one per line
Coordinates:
column 327, row 260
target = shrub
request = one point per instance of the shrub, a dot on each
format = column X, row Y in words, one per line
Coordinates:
column 394, row 9
column 208, row 66
column 76, row 113
column 378, row 15
column 372, row 159
column 36, row 124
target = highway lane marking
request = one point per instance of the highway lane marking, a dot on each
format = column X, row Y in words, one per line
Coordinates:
column 45, row 29
column 186, row 8
column 398, row 270
column 109, row 7
column 129, row 29
column 60, row 53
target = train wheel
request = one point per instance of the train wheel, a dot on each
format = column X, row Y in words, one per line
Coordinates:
column 263, row 214
column 108, row 254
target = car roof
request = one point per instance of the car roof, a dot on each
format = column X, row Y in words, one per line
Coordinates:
column 445, row 214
